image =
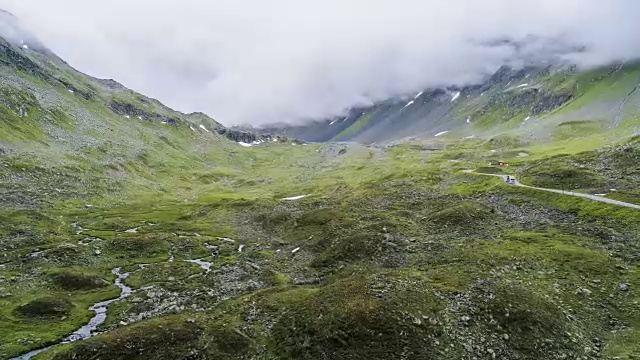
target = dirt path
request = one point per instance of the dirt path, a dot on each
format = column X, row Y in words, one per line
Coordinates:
column 515, row 182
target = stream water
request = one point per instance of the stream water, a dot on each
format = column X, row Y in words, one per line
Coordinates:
column 205, row 265
column 100, row 308
column 98, row 319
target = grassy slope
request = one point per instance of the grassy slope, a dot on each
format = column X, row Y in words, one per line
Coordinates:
column 357, row 125
column 395, row 242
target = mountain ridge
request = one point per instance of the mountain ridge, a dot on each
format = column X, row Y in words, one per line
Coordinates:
column 530, row 92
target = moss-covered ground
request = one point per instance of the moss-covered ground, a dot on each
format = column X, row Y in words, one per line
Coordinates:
column 390, row 256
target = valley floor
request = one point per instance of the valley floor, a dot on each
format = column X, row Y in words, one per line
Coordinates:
column 394, row 253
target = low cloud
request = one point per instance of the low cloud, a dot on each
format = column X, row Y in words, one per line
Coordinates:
column 257, row 62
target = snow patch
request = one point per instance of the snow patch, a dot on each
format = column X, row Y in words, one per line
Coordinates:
column 240, row 248
column 25, row 46
column 295, row 250
column 523, row 85
column 333, row 122
column 469, row 120
column 244, row 144
column 191, row 127
column 455, row 96
column 71, row 91
column 132, row 231
column 295, row 197
column 204, row 128
column 419, row 94
column 409, row 103
column 127, row 116
column 527, row 119
column 441, row 133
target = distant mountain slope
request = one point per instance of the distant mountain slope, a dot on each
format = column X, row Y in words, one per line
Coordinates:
column 516, row 100
column 42, row 97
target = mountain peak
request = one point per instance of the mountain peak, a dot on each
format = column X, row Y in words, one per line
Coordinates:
column 15, row 32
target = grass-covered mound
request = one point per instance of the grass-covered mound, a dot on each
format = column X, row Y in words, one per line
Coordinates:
column 45, row 307
column 163, row 339
column 464, row 215
column 616, row 167
column 366, row 314
column 360, row 318
column 77, row 279
column 561, row 172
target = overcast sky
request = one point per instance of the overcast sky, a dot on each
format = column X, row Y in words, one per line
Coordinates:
column 259, row 61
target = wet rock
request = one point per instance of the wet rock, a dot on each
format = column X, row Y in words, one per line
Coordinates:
column 623, row 287
column 583, row 291
column 214, row 249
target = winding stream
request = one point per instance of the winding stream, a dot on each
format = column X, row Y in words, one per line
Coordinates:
column 101, row 308
column 98, row 319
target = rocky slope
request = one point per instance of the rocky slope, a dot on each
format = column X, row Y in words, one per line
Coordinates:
column 512, row 99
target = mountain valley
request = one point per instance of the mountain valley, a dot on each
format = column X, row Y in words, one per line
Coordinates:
column 129, row 230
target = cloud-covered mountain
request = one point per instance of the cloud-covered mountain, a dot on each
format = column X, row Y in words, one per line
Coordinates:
column 255, row 62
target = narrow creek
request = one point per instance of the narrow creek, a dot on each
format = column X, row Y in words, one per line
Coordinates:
column 98, row 319
column 205, row 265
column 101, row 308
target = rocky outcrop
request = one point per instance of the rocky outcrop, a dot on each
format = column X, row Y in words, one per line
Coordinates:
column 550, row 102
column 110, row 83
column 251, row 137
column 87, row 95
column 128, row 109
column 9, row 56
column 238, row 136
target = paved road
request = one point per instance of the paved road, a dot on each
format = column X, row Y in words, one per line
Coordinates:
column 515, row 182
